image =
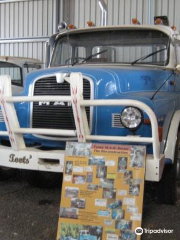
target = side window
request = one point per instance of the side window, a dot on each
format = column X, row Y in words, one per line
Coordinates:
column 14, row 71
column 80, row 52
column 108, row 54
column 66, row 53
column 62, row 55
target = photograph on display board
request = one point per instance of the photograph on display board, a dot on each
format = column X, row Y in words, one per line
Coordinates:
column 69, row 167
column 117, row 214
column 136, row 181
column 106, row 183
column 122, row 164
column 89, row 177
column 109, row 193
column 97, row 160
column 123, row 224
column 78, row 203
column 101, row 171
column 134, row 189
column 78, row 149
column 92, row 187
column 128, row 176
column 137, row 158
column 71, row 192
column 127, row 235
column 112, row 204
column 80, row 232
column 78, row 179
column 69, row 212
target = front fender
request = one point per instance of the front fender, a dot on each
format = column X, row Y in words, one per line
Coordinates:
column 172, row 137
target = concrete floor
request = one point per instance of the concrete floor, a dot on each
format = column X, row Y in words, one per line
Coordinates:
column 28, row 213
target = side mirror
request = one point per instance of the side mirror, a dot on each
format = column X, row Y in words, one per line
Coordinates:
column 62, row 26
column 48, row 49
column 47, row 54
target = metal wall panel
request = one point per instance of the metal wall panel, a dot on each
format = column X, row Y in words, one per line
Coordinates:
column 23, row 49
column 120, row 12
column 35, row 19
column 26, row 19
column 20, row 21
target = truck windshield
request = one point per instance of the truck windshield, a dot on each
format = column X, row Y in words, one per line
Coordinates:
column 13, row 70
column 115, row 46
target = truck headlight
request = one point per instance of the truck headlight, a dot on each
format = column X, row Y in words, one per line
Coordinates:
column 131, row 117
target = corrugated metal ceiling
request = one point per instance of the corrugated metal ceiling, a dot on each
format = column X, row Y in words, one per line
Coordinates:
column 120, row 12
column 36, row 19
column 33, row 20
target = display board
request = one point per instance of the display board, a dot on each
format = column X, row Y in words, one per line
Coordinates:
column 102, row 192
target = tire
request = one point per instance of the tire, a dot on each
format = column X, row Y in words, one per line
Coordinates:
column 43, row 179
column 7, row 173
column 167, row 187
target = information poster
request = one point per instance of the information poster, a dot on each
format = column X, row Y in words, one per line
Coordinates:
column 102, row 192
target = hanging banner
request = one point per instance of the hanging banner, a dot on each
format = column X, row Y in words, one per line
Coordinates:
column 102, row 192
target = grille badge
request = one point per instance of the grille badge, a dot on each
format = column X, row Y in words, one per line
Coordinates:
column 60, row 77
column 44, row 103
column 68, row 104
column 62, row 103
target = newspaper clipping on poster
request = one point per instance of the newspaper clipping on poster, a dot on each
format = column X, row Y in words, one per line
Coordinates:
column 102, row 192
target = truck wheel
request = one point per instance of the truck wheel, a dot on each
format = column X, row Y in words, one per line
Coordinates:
column 6, row 173
column 167, row 187
column 43, row 179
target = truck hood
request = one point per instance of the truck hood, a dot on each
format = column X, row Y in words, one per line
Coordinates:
column 132, row 82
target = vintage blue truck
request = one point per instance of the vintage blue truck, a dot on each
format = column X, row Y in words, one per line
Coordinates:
column 115, row 84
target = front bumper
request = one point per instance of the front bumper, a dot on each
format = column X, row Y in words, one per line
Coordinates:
column 53, row 161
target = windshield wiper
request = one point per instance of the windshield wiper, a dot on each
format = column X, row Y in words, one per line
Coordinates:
column 89, row 57
column 154, row 94
column 149, row 55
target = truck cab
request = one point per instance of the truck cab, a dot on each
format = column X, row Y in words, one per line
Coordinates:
column 115, row 84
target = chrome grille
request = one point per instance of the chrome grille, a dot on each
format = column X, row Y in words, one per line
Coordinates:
column 1, row 116
column 116, row 121
column 56, row 115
